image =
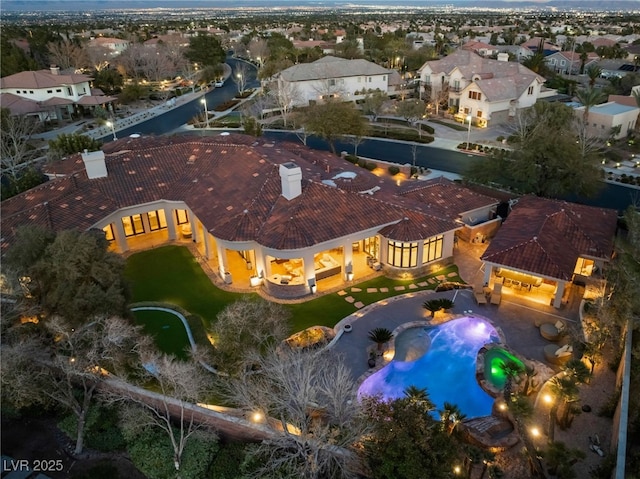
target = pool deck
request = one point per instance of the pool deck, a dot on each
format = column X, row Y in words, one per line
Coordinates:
column 515, row 316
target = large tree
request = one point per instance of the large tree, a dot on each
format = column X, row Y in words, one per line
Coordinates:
column 546, row 159
column 68, row 54
column 316, row 419
column 65, row 363
column 179, row 385
column 15, row 147
column 406, row 441
column 205, row 50
column 332, row 120
column 373, row 103
column 71, row 274
column 246, row 328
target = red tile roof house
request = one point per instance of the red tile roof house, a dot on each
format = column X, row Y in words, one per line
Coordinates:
column 550, row 244
column 261, row 212
column 49, row 94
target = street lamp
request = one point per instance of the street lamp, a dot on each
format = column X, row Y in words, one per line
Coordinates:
column 206, row 112
column 113, row 129
column 468, row 131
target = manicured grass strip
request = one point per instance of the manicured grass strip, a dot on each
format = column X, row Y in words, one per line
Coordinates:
column 170, row 274
column 453, row 126
column 323, row 311
column 330, row 309
column 167, row 331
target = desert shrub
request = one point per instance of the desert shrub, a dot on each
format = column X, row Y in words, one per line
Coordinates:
column 393, row 170
column 500, row 138
column 369, row 165
column 351, row 159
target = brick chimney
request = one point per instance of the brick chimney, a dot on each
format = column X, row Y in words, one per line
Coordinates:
column 291, row 180
column 55, row 69
column 94, row 164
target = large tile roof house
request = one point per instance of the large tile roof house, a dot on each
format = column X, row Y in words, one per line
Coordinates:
column 276, row 205
column 491, row 91
column 333, row 77
column 551, row 241
column 49, row 93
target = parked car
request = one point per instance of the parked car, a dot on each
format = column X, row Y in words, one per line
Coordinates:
column 219, row 83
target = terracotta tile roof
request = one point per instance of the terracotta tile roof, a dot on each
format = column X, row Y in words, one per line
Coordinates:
column 41, row 79
column 546, row 237
column 18, row 105
column 444, row 197
column 232, row 184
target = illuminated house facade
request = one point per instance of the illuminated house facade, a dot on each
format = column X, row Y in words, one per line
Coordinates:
column 261, row 213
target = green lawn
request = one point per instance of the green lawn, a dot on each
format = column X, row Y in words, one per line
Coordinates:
column 171, row 275
column 167, row 330
column 328, row 310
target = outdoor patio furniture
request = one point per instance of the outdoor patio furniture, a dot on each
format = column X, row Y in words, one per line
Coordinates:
column 478, row 294
column 558, row 355
column 553, row 332
column 496, row 294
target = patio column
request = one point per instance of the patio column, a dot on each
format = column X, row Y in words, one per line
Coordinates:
column 208, row 249
column 222, row 258
column 171, row 223
column 118, row 233
column 309, row 267
column 557, row 299
column 260, row 265
column 347, row 261
column 488, row 269
column 194, row 227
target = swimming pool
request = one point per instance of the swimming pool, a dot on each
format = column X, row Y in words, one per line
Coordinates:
column 447, row 370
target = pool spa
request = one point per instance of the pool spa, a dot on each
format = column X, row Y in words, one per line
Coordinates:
column 494, row 358
column 447, row 370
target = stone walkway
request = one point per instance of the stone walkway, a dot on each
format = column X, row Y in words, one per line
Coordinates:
column 428, row 283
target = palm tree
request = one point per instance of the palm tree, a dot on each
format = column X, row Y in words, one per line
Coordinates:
column 578, row 370
column 566, row 389
column 511, row 369
column 593, row 72
column 380, row 336
column 420, row 396
column 589, row 97
column 451, row 416
column 521, row 409
column 435, row 305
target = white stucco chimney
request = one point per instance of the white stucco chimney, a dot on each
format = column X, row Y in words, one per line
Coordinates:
column 503, row 57
column 55, row 69
column 94, row 164
column 291, row 180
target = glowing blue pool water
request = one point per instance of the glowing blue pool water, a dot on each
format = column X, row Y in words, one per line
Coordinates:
column 447, row 370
